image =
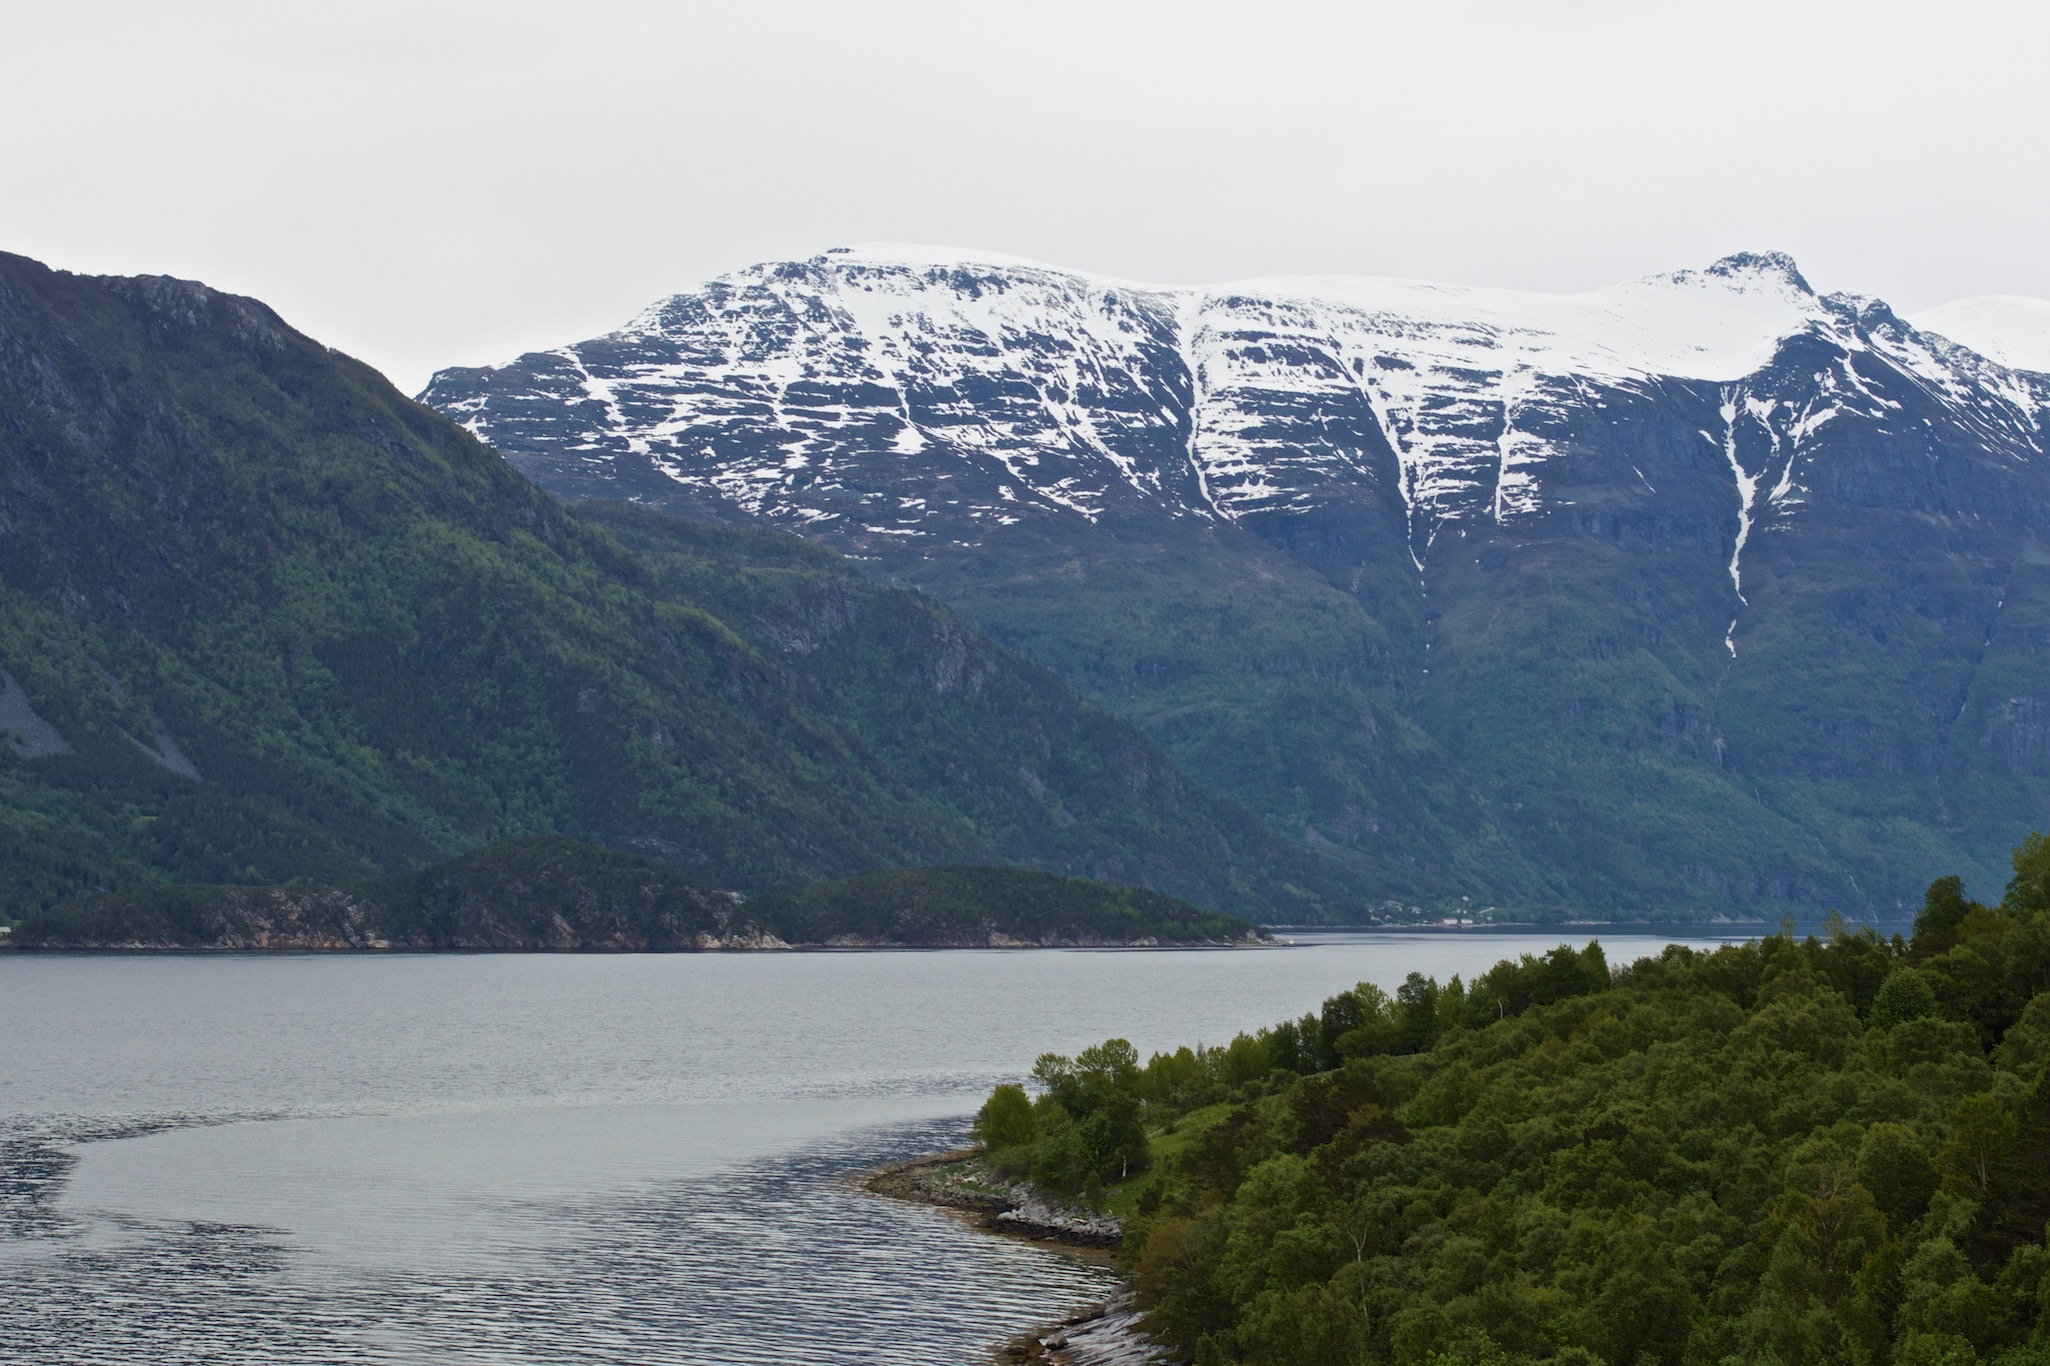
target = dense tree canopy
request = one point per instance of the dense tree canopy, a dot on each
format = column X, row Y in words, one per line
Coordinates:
column 1819, row 1150
column 546, row 892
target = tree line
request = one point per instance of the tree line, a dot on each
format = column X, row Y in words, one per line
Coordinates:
column 1796, row 1150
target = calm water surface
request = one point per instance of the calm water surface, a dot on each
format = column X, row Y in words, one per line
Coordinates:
column 542, row 1159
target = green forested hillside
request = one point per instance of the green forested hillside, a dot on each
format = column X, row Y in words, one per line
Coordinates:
column 540, row 892
column 979, row 906
column 1261, row 678
column 975, row 727
column 543, row 892
column 263, row 618
column 1578, row 735
column 1828, row 1150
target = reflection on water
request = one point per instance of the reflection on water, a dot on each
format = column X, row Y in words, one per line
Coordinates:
column 558, row 1159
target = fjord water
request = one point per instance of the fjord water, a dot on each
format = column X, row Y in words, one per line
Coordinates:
column 529, row 1159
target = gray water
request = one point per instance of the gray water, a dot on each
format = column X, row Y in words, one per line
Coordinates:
column 556, row 1159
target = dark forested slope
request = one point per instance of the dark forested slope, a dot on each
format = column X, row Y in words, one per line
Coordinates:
column 540, row 892
column 988, row 907
column 262, row 617
column 546, row 893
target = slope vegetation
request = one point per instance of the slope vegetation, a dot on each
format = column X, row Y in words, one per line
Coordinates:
column 263, row 618
column 1795, row 1151
column 988, row 908
column 546, row 893
column 1695, row 592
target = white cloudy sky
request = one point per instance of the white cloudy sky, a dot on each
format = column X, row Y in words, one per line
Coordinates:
column 442, row 182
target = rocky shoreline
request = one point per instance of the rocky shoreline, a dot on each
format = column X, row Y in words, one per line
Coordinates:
column 1105, row 1334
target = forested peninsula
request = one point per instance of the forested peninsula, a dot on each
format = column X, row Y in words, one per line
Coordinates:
column 1831, row 1149
column 548, row 893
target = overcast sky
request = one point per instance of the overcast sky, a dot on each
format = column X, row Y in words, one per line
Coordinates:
column 439, row 182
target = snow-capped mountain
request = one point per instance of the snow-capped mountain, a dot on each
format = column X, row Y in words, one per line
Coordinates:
column 1670, row 475
column 2009, row 328
column 902, row 391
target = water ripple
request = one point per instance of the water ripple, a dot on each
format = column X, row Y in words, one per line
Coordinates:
column 781, row 1261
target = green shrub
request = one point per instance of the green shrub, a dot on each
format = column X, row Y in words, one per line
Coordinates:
column 1006, row 1119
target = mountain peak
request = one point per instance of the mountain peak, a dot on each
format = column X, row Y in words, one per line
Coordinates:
column 924, row 255
column 1775, row 265
column 1678, row 466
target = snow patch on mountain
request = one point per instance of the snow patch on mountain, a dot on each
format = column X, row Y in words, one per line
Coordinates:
column 1718, row 324
column 2009, row 328
column 914, row 391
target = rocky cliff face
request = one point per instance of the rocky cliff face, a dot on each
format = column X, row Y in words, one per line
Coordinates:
column 1704, row 587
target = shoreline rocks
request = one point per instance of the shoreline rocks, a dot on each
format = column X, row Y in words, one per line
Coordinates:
column 1105, row 1334
column 1035, row 1218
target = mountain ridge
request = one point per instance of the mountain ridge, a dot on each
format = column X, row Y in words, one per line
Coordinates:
column 1585, row 598
column 264, row 618
column 1752, row 303
column 2012, row 329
